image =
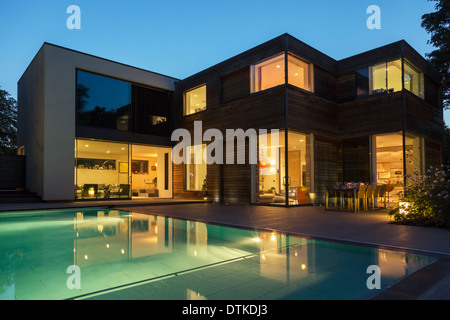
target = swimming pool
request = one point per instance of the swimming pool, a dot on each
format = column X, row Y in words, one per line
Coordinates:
column 109, row 254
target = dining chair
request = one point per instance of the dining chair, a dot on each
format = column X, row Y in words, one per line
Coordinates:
column 376, row 192
column 361, row 197
column 369, row 199
column 330, row 193
column 381, row 195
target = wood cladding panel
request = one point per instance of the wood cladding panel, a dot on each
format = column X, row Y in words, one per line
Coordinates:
column 345, row 87
column 310, row 114
column 433, row 154
column 324, row 84
column 235, row 85
column 423, row 119
column 327, row 165
column 356, row 159
column 264, row 110
column 381, row 114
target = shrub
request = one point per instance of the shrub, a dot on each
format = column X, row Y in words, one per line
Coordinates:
column 429, row 199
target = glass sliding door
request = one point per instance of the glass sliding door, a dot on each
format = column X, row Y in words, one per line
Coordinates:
column 299, row 169
column 271, row 169
column 151, row 171
column 102, row 170
column 281, row 184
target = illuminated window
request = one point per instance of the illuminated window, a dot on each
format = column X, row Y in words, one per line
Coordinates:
column 413, row 80
column 299, row 73
column 195, row 100
column 271, row 73
column 385, row 77
column 195, row 168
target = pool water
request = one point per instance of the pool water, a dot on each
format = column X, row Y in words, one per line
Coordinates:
column 128, row 255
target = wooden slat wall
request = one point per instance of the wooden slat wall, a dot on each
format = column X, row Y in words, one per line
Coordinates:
column 12, row 172
column 235, row 85
column 327, row 166
column 345, row 87
column 356, row 159
column 423, row 119
column 310, row 114
column 381, row 114
column 324, row 84
column 433, row 154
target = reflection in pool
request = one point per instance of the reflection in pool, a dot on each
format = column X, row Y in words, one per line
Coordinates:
column 118, row 252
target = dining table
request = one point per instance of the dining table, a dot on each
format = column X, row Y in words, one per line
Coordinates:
column 340, row 192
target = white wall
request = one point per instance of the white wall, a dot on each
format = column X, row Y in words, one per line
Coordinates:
column 47, row 114
column 30, row 124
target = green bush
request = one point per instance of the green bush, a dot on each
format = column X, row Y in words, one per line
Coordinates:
column 429, row 199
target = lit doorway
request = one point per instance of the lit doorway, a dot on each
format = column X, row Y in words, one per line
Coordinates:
column 151, row 172
column 392, row 156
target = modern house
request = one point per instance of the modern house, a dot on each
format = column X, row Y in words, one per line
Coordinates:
column 92, row 128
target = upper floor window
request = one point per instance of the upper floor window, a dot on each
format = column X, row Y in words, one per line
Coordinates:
column 195, row 100
column 271, row 73
column 386, row 77
column 413, row 80
column 107, row 102
column 102, row 101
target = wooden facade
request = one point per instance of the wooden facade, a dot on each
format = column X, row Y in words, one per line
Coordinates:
column 340, row 121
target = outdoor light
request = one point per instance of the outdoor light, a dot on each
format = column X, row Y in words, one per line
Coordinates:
column 91, row 191
column 256, row 239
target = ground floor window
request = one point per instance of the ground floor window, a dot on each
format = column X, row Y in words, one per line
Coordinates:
column 195, row 168
column 102, row 169
column 396, row 160
column 116, row 170
column 281, row 180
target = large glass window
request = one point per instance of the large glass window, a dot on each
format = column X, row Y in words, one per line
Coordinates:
column 271, row 73
column 101, row 169
column 195, row 100
column 386, row 77
column 299, row 73
column 413, row 80
column 102, row 101
column 196, row 168
column 389, row 158
column 279, row 185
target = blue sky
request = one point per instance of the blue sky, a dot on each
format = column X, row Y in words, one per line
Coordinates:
column 179, row 38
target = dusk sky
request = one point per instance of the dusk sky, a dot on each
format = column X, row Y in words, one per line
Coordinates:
column 180, row 38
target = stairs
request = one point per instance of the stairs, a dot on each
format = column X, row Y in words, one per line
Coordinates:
column 18, row 196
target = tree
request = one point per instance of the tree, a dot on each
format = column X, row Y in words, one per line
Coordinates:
column 438, row 25
column 8, row 123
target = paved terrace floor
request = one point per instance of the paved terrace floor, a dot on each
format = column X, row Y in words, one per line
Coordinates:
column 372, row 228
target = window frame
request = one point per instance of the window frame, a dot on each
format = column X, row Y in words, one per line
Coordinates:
column 185, row 100
column 286, row 55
